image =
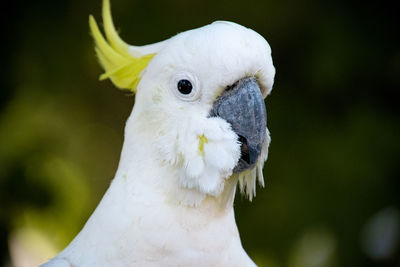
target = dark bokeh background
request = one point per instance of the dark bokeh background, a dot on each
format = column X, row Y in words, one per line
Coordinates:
column 332, row 193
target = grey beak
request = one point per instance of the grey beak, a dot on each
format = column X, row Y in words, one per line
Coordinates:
column 242, row 105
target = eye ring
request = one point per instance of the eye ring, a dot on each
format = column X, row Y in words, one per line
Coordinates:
column 185, row 86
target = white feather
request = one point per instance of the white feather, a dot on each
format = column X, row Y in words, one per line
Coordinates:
column 170, row 204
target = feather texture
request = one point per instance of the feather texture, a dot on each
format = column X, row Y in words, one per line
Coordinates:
column 120, row 66
column 171, row 200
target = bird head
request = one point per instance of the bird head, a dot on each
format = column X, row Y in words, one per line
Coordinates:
column 199, row 99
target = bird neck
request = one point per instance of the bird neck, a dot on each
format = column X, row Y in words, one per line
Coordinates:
column 145, row 176
column 144, row 201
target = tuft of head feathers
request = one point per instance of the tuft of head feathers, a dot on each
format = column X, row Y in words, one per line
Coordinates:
column 200, row 150
column 120, row 66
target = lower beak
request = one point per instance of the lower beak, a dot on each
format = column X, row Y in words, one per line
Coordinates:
column 243, row 107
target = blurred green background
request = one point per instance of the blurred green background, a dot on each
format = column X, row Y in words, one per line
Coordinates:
column 332, row 177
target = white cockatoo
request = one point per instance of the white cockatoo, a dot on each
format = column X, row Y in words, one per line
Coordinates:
column 197, row 129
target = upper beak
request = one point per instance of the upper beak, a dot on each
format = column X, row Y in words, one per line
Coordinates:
column 243, row 107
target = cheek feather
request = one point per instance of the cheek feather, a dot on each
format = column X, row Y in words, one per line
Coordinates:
column 210, row 162
column 202, row 140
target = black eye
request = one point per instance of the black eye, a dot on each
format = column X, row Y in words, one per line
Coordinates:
column 185, row 87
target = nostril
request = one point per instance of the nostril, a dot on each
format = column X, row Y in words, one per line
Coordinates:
column 231, row 87
column 244, row 149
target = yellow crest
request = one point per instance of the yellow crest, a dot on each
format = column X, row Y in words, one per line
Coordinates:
column 120, row 66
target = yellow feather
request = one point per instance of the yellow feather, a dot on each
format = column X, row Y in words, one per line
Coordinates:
column 111, row 33
column 202, row 140
column 123, row 69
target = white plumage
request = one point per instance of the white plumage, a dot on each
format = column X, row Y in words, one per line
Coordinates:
column 170, row 202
